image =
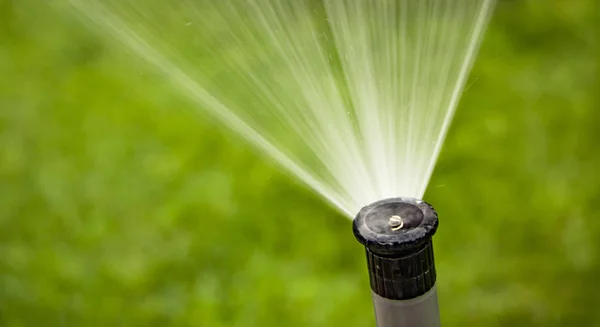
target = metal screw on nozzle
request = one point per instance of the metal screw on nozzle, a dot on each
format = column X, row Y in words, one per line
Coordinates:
column 396, row 222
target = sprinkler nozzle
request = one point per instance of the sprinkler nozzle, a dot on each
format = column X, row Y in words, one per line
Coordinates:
column 397, row 235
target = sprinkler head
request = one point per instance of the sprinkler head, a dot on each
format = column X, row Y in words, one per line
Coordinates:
column 397, row 235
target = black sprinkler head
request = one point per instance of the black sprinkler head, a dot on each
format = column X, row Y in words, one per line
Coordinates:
column 397, row 235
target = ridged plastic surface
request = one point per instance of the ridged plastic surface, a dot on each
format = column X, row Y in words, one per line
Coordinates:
column 404, row 277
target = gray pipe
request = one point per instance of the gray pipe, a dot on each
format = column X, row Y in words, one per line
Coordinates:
column 421, row 311
column 397, row 235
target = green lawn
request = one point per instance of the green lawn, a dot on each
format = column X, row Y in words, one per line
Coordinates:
column 120, row 207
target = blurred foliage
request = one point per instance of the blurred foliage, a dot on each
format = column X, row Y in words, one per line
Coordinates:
column 119, row 206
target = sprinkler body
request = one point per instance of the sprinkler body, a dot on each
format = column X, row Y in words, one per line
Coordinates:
column 397, row 235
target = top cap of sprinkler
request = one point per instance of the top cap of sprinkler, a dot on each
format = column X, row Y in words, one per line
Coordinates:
column 395, row 226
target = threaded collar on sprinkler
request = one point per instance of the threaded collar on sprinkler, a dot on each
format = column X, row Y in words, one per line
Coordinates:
column 397, row 235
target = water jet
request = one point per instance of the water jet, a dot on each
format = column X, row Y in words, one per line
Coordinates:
column 353, row 98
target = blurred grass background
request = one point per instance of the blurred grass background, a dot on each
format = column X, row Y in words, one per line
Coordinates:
column 119, row 207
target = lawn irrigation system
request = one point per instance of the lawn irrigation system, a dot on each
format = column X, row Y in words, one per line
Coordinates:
column 397, row 235
column 277, row 73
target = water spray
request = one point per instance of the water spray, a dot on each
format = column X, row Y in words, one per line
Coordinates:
column 397, row 235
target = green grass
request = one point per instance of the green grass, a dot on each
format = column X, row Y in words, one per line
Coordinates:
column 119, row 206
